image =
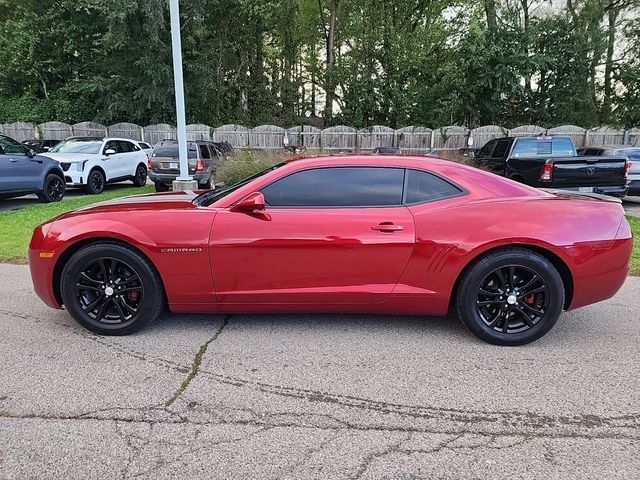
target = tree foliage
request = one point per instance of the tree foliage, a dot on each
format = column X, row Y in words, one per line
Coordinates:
column 358, row 62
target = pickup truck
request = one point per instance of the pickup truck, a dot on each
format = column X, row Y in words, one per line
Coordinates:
column 552, row 162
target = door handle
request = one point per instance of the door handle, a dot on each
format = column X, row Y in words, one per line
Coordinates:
column 387, row 227
column 13, row 160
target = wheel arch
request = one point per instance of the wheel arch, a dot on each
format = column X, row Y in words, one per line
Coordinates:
column 73, row 248
column 101, row 170
column 559, row 264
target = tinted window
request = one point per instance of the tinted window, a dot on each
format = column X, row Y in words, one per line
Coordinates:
column 126, row 147
column 171, row 150
column 423, row 187
column 338, row 187
column 144, row 145
column 486, row 150
column 10, row 146
column 204, row 151
column 501, row 149
column 111, row 145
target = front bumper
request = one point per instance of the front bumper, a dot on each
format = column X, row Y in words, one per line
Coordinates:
column 73, row 178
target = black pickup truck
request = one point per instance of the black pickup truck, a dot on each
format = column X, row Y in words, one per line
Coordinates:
column 552, row 162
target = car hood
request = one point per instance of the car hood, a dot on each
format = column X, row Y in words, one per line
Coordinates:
column 149, row 201
column 70, row 157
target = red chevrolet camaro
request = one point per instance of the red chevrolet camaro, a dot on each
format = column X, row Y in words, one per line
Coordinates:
column 387, row 234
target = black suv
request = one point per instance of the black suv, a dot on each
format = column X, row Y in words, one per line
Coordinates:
column 23, row 172
column 40, row 146
column 204, row 158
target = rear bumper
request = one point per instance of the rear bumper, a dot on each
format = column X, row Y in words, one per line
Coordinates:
column 599, row 269
column 634, row 187
column 167, row 178
column 618, row 191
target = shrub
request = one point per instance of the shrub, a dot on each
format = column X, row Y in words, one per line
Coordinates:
column 245, row 163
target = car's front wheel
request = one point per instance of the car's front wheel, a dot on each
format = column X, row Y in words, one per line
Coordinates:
column 111, row 289
column 53, row 189
column 511, row 296
column 95, row 182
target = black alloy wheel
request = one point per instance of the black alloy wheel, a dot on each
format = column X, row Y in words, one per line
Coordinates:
column 511, row 296
column 111, row 289
column 95, row 182
column 53, row 189
column 512, row 299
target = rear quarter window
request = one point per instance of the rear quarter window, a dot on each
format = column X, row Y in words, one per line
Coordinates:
column 425, row 187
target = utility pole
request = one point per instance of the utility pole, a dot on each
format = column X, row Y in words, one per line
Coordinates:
column 184, row 180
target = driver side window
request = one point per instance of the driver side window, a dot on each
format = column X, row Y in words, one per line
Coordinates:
column 485, row 152
column 113, row 145
column 9, row 146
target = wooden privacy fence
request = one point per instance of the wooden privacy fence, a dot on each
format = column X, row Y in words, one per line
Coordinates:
column 333, row 139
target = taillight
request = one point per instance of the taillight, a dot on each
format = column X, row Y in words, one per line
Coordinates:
column 627, row 167
column 199, row 166
column 546, row 174
column 149, row 164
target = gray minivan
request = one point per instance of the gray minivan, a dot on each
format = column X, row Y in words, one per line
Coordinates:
column 23, row 172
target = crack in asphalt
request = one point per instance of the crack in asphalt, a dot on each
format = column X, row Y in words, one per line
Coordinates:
column 195, row 366
column 590, row 425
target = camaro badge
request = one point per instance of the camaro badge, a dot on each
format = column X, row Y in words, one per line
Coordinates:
column 180, row 250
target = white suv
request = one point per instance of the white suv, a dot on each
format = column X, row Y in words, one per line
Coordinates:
column 92, row 162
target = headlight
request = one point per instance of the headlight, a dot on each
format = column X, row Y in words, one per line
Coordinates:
column 80, row 166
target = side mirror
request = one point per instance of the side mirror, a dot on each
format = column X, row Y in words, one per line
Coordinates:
column 31, row 152
column 251, row 203
column 109, row 151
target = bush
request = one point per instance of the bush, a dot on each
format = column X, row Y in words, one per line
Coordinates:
column 245, row 163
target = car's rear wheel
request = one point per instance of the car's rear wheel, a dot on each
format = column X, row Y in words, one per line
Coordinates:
column 95, row 182
column 510, row 296
column 111, row 289
column 53, row 189
column 140, row 177
column 209, row 182
column 161, row 187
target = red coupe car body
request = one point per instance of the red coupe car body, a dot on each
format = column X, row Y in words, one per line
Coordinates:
column 394, row 259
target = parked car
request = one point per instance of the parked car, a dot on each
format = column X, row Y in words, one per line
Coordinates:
column 385, row 234
column 92, row 162
column 552, row 162
column 40, row 146
column 22, row 171
column 387, row 151
column 145, row 147
column 632, row 153
column 203, row 156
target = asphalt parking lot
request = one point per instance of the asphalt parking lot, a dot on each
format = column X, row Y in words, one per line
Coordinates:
column 316, row 396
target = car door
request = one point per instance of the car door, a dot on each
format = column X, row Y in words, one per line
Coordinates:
column 327, row 235
column 112, row 164
column 497, row 161
column 131, row 156
column 18, row 171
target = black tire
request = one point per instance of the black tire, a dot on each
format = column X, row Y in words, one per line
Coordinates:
column 140, row 177
column 161, row 187
column 53, row 189
column 95, row 182
column 209, row 183
column 528, row 284
column 111, row 289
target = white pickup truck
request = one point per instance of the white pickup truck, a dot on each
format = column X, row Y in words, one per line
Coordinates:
column 92, row 162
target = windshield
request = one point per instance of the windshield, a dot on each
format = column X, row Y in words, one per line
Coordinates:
column 633, row 153
column 77, row 146
column 207, row 198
